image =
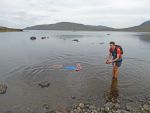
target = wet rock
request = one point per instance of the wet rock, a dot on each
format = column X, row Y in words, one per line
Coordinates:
column 79, row 110
column 94, row 111
column 146, row 107
column 44, row 84
column 124, row 111
column 46, row 106
column 81, row 105
column 76, row 40
column 43, row 37
column 118, row 111
column 73, row 97
column 3, row 88
column 33, row 38
column 108, row 106
column 116, row 105
column 92, row 107
column 131, row 106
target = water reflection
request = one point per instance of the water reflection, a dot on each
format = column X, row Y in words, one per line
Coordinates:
column 145, row 38
column 113, row 93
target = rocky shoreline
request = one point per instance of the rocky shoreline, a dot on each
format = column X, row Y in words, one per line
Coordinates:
column 108, row 107
column 113, row 103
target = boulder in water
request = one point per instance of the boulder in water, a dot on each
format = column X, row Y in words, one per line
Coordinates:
column 44, row 84
column 43, row 37
column 76, row 40
column 33, row 38
column 3, row 88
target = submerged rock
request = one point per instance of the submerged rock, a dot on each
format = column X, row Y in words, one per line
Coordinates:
column 73, row 97
column 3, row 88
column 46, row 106
column 43, row 37
column 76, row 40
column 44, row 84
column 101, row 43
column 33, row 38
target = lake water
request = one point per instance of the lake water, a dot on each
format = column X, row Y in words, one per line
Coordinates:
column 24, row 63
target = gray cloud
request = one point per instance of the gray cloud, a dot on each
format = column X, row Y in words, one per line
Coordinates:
column 113, row 13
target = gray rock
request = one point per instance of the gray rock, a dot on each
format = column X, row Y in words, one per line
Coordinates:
column 79, row 110
column 92, row 107
column 94, row 111
column 76, row 40
column 33, row 38
column 146, row 107
column 81, row 105
column 3, row 88
column 73, row 97
column 44, row 84
column 124, row 111
column 43, row 37
column 46, row 106
column 117, row 106
column 118, row 111
column 108, row 106
column 71, row 111
column 131, row 106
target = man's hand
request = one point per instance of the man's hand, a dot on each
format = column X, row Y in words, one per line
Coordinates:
column 108, row 61
column 111, row 61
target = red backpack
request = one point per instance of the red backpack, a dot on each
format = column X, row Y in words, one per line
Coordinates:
column 118, row 46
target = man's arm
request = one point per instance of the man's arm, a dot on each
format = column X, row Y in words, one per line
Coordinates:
column 110, row 56
column 116, row 58
column 118, row 55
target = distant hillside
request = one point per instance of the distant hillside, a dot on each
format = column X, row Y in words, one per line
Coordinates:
column 5, row 29
column 144, row 27
column 69, row 26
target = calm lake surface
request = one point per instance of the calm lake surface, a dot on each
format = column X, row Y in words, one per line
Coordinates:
column 24, row 63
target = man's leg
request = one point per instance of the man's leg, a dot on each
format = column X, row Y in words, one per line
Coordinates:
column 113, row 70
column 116, row 71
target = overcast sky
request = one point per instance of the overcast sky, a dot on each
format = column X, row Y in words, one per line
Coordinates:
column 113, row 13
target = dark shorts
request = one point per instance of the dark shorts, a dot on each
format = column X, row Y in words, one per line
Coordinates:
column 118, row 63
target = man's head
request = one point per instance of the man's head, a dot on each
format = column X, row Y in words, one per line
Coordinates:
column 112, row 45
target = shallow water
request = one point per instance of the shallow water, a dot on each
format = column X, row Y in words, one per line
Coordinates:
column 24, row 63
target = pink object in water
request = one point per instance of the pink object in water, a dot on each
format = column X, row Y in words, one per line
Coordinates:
column 78, row 67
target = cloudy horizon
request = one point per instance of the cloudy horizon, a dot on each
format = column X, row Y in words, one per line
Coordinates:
column 111, row 13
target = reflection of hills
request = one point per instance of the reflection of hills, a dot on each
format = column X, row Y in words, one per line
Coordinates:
column 145, row 38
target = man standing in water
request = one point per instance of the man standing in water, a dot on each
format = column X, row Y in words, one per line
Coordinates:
column 115, row 57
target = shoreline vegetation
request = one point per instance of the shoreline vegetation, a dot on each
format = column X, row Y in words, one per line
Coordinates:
column 4, row 29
